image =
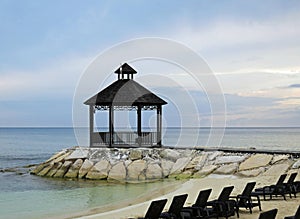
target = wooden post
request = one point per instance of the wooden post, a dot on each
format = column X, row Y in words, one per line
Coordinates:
column 111, row 126
column 159, row 125
column 91, row 112
column 139, row 125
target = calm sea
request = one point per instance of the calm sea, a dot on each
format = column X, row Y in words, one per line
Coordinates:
column 26, row 196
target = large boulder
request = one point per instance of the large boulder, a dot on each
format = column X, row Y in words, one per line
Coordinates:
column 277, row 169
column 166, row 166
column 54, row 169
column 296, row 165
column 85, row 168
column 117, row 172
column 256, row 161
column 227, row 169
column 99, row 170
column 229, row 159
column 252, row 173
column 135, row 169
column 170, row 154
column 179, row 165
column 60, row 153
column 197, row 162
column 78, row 153
column 74, row 169
column 63, row 169
column 46, row 169
column 153, row 171
column 280, row 158
column 135, row 154
column 207, row 169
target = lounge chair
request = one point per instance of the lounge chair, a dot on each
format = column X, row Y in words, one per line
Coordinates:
column 290, row 185
column 296, row 216
column 198, row 209
column 155, row 209
column 175, row 207
column 271, row 214
column 245, row 200
column 223, row 207
column 277, row 189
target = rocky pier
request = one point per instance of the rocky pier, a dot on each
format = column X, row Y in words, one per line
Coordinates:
column 148, row 164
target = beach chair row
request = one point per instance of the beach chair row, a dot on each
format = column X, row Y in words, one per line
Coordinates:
column 226, row 205
column 291, row 187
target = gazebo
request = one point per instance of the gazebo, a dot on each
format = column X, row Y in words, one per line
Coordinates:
column 125, row 94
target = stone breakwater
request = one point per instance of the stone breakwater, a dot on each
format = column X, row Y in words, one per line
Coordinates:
column 144, row 164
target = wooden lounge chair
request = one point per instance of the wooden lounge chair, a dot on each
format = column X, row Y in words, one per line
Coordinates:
column 223, row 207
column 245, row 200
column 155, row 209
column 277, row 189
column 175, row 207
column 296, row 216
column 198, row 209
column 268, row 214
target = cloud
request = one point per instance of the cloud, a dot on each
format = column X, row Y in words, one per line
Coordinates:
column 294, row 86
column 53, row 80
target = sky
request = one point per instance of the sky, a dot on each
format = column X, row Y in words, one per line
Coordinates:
column 252, row 48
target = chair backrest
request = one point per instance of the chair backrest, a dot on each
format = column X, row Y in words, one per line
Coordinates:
column 281, row 179
column 268, row 214
column 224, row 195
column 292, row 178
column 202, row 198
column 155, row 209
column 297, row 215
column 248, row 189
column 177, row 205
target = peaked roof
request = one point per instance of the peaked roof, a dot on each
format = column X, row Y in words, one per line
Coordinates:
column 125, row 92
column 126, row 69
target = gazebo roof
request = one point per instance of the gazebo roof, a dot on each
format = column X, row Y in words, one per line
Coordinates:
column 125, row 92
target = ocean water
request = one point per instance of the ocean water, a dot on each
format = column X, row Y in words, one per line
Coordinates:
column 26, row 196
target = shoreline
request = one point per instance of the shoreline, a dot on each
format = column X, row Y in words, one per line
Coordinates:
column 193, row 186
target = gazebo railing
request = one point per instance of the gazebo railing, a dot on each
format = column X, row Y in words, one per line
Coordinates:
column 124, row 139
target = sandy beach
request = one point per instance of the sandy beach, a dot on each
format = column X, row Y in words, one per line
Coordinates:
column 193, row 186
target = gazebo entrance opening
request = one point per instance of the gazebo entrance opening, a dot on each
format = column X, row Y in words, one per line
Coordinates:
column 125, row 95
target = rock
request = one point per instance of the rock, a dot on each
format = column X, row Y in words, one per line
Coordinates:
column 227, row 169
column 135, row 154
column 278, row 158
column 54, row 169
column 214, row 155
column 277, row 169
column 166, row 166
column 207, row 169
column 255, row 161
column 296, row 165
column 117, row 172
column 229, row 159
column 252, row 173
column 74, row 169
column 56, row 156
column 99, row 170
column 85, row 168
column 197, row 163
column 62, row 157
column 63, row 169
column 78, row 153
column 170, row 154
column 179, row 165
column 153, row 171
column 39, row 168
column 135, row 169
column 46, row 169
